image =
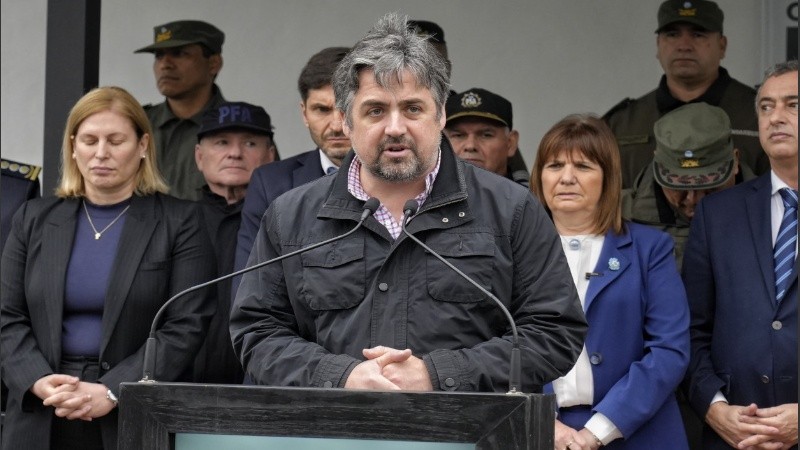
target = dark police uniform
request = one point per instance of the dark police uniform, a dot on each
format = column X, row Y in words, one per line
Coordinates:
column 632, row 123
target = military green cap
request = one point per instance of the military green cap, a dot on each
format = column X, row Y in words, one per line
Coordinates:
column 694, row 149
column 703, row 13
column 185, row 32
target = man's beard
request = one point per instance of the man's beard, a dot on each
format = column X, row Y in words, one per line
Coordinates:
column 398, row 170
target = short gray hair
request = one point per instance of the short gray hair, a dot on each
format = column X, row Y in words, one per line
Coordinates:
column 390, row 48
column 776, row 70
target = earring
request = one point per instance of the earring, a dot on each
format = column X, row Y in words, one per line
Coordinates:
column 144, row 156
column 73, row 155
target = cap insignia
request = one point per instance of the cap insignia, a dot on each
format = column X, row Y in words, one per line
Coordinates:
column 164, row 35
column 688, row 154
column 688, row 163
column 471, row 100
column 687, row 10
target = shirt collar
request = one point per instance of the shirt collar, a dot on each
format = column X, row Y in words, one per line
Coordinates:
column 326, row 162
column 777, row 183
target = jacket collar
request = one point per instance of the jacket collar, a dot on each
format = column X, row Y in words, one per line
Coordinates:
column 713, row 95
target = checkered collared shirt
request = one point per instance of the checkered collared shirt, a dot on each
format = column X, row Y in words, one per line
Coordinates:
column 383, row 215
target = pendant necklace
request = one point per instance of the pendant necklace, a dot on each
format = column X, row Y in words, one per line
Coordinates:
column 98, row 234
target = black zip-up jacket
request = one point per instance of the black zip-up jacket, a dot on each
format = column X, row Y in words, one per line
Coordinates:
column 304, row 321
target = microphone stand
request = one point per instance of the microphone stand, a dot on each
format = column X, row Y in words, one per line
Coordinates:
column 514, row 375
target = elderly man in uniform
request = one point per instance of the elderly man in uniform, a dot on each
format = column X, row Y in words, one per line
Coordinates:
column 690, row 46
column 188, row 58
column 480, row 128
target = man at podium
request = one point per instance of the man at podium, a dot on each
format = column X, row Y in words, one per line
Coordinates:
column 374, row 309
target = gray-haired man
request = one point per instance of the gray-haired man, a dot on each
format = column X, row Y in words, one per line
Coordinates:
column 374, row 310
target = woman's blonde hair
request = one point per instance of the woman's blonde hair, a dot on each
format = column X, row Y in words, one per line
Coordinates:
column 590, row 136
column 108, row 98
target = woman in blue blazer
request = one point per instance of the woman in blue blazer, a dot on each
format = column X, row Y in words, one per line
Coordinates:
column 620, row 393
column 83, row 274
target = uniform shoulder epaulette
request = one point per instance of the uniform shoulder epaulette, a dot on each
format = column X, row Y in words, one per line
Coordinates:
column 619, row 106
column 19, row 170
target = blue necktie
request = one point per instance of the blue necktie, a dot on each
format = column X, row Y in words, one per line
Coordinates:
column 785, row 243
column 331, row 170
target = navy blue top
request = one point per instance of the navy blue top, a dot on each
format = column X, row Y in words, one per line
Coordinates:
column 88, row 274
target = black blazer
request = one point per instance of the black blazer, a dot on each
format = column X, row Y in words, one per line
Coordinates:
column 163, row 249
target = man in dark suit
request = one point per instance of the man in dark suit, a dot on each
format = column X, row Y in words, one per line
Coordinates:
column 271, row 180
column 740, row 273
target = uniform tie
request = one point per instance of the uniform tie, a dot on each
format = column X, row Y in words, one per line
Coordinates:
column 332, row 170
column 785, row 243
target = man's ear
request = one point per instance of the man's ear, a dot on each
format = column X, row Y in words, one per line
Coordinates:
column 216, row 63
column 513, row 143
column 303, row 112
column 198, row 157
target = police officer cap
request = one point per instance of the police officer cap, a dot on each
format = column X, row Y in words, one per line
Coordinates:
column 185, row 32
column 703, row 13
column 235, row 116
column 694, row 149
column 477, row 102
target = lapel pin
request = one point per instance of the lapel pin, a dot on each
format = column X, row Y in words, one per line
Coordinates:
column 613, row 263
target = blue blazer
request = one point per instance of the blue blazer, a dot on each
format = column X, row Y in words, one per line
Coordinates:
column 638, row 340
column 266, row 184
column 743, row 343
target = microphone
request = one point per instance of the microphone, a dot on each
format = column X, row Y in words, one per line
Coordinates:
column 370, row 206
column 514, row 373
column 593, row 274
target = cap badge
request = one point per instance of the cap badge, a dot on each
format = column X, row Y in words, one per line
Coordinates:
column 689, row 163
column 613, row 263
column 471, row 100
column 688, row 154
column 687, row 10
column 164, row 35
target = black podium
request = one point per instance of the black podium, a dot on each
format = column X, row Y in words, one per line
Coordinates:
column 152, row 415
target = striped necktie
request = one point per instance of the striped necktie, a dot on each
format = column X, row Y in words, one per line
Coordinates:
column 785, row 243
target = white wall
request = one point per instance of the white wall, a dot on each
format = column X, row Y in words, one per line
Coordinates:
column 549, row 57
